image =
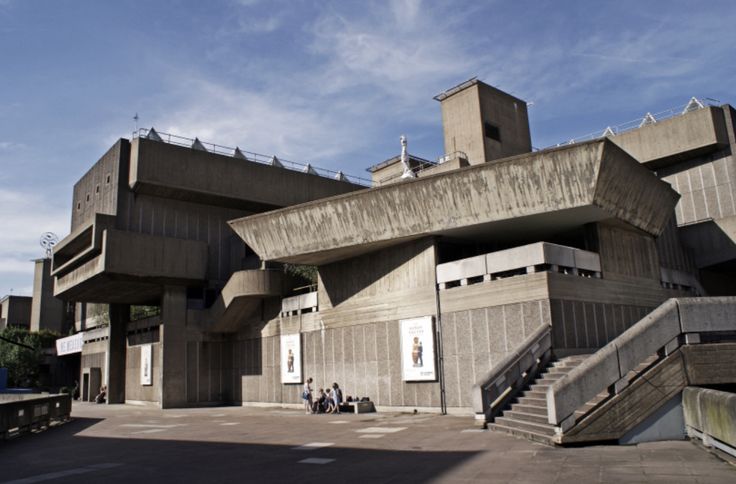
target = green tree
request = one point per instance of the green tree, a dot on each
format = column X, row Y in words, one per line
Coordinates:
column 23, row 360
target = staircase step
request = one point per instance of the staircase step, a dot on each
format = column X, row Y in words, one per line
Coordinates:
column 539, row 387
column 526, row 434
column 553, row 376
column 535, row 394
column 546, row 381
column 539, row 428
column 539, row 402
column 519, row 415
column 538, row 410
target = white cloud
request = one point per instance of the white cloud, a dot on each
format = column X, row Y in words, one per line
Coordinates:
column 25, row 217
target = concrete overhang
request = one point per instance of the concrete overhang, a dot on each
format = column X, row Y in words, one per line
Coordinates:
column 132, row 268
column 536, row 193
column 240, row 298
column 675, row 139
column 167, row 170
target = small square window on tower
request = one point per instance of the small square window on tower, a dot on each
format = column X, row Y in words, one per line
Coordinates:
column 492, row 131
column 107, row 179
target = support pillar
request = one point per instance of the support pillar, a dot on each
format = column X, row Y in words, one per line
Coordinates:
column 116, row 353
column 173, row 355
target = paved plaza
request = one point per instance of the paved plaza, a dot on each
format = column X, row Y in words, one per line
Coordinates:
column 124, row 443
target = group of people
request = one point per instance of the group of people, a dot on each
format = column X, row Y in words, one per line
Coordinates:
column 326, row 401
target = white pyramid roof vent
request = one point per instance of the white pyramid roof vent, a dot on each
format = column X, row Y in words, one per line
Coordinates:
column 153, row 135
column 275, row 162
column 340, row 176
column 239, row 154
column 647, row 120
column 693, row 105
column 608, row 132
column 309, row 169
column 197, row 145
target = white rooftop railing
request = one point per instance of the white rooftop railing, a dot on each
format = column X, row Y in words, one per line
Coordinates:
column 236, row 152
column 649, row 118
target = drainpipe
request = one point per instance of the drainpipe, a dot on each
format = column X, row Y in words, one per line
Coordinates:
column 438, row 338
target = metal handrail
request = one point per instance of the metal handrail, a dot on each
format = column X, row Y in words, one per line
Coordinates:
column 633, row 124
column 252, row 156
column 494, row 389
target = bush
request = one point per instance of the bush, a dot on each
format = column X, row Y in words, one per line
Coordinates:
column 24, row 364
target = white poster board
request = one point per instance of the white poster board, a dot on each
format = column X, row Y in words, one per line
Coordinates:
column 417, row 349
column 291, row 358
column 146, row 369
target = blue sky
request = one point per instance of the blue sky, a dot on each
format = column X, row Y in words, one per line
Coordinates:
column 333, row 83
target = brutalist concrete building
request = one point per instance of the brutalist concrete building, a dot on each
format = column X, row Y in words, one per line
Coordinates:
column 450, row 285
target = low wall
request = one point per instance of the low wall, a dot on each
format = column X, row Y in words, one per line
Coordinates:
column 712, row 415
column 32, row 411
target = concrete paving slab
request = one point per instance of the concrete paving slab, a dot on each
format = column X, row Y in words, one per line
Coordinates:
column 261, row 447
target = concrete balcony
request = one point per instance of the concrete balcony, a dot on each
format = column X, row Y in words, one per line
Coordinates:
column 303, row 303
column 115, row 266
column 522, row 197
column 693, row 134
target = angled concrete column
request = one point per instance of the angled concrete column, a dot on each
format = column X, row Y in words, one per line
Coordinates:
column 173, row 356
column 116, row 353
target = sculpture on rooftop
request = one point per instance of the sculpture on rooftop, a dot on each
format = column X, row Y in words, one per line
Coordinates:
column 408, row 172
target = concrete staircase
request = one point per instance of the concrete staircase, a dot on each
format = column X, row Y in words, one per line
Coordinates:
column 527, row 416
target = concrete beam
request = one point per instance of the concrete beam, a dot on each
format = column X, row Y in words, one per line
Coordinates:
column 535, row 193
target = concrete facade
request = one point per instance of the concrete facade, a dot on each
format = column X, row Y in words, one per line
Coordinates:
column 47, row 311
column 488, row 247
column 15, row 311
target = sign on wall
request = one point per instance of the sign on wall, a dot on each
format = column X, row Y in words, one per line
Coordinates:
column 70, row 344
column 417, row 349
column 146, row 368
column 291, row 358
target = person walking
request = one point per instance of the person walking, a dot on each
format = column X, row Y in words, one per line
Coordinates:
column 307, row 395
column 336, row 396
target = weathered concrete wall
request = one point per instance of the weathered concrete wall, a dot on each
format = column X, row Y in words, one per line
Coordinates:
column 711, row 412
column 133, row 388
column 672, row 253
column 97, row 191
column 47, row 312
column 675, row 138
column 385, row 285
column 626, row 253
column 509, row 115
column 183, row 173
column 592, row 181
column 462, row 125
column 16, row 311
column 152, row 215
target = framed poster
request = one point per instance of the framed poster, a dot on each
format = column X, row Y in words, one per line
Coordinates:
column 417, row 349
column 146, row 365
column 291, row 358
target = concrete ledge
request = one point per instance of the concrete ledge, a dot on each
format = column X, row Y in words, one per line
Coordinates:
column 647, row 336
column 698, row 315
column 711, row 412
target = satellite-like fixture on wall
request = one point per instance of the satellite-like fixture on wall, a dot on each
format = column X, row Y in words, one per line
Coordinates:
column 408, row 172
column 693, row 105
column 153, row 135
column 47, row 242
column 647, row 120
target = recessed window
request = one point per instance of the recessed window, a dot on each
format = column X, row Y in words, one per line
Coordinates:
column 107, row 180
column 79, row 205
column 97, row 189
column 88, row 197
column 492, row 131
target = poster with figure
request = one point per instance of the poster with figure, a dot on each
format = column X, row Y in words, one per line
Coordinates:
column 146, row 369
column 417, row 349
column 291, row 358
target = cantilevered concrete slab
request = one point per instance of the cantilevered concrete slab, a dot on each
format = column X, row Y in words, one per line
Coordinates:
column 523, row 196
column 171, row 171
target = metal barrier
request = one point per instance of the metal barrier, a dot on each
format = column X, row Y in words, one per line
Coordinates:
column 32, row 412
column 511, row 374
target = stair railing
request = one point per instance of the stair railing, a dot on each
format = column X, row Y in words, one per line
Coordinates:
column 494, row 390
column 674, row 323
